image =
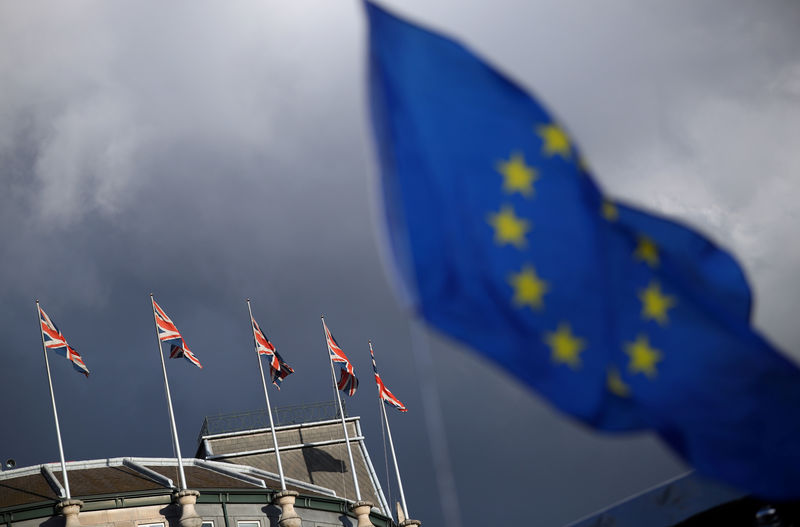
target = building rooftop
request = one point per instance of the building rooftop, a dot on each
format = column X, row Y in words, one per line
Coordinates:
column 313, row 452
column 42, row 483
column 235, row 461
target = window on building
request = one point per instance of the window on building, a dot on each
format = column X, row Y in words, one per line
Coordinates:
column 161, row 524
column 207, row 523
column 249, row 523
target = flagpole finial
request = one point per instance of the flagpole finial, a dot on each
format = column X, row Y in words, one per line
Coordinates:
column 151, row 295
column 322, row 317
column 247, row 299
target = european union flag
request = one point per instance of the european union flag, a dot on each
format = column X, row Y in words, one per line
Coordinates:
column 620, row 318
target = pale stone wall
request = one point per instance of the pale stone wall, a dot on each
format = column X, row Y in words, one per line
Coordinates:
column 129, row 517
column 293, row 436
column 267, row 515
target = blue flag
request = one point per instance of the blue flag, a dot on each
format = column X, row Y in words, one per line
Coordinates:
column 622, row 319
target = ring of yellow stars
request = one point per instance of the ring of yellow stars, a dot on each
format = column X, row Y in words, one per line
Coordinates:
column 643, row 357
column 529, row 289
column 517, row 176
column 616, row 385
column 647, row 251
column 555, row 140
column 566, row 347
column 508, row 228
column 609, row 211
column 655, row 304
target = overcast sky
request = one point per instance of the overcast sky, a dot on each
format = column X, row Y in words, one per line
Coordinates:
column 211, row 151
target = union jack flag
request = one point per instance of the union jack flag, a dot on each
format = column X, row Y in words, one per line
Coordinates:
column 383, row 392
column 278, row 369
column 54, row 340
column 168, row 332
column 277, row 376
column 348, row 382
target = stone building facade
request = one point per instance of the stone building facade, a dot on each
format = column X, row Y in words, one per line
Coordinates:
column 232, row 483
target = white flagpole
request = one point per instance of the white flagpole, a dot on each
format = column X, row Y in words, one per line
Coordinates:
column 169, row 400
column 341, row 414
column 389, row 433
column 53, row 399
column 266, row 396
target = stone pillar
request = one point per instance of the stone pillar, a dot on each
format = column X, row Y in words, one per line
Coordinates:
column 70, row 509
column 186, row 499
column 361, row 510
column 289, row 517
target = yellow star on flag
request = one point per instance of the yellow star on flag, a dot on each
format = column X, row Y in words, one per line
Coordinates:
column 643, row 357
column 609, row 211
column 616, row 385
column 566, row 347
column 555, row 140
column 655, row 304
column 508, row 228
column 518, row 177
column 647, row 251
column 528, row 288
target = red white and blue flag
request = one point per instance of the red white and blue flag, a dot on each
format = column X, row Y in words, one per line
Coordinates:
column 348, row 382
column 54, row 340
column 167, row 332
column 383, row 392
column 278, row 369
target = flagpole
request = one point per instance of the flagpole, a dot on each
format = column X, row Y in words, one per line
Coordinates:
column 391, row 443
column 169, row 400
column 341, row 414
column 266, row 396
column 53, row 400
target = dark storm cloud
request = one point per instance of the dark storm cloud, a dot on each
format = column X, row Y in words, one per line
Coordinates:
column 210, row 152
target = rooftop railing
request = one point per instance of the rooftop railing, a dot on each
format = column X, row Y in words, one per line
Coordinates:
column 284, row 415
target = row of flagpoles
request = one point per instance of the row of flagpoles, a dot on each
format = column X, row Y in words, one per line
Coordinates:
column 166, row 331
